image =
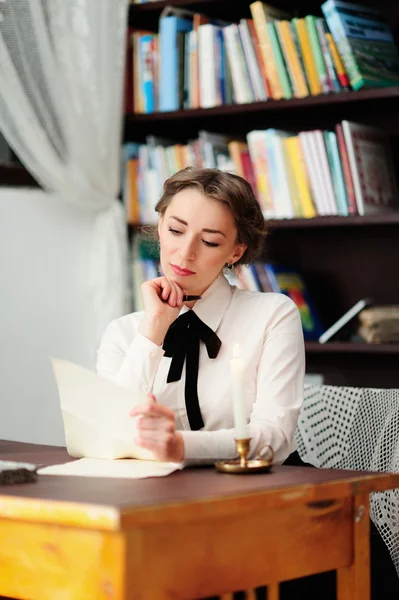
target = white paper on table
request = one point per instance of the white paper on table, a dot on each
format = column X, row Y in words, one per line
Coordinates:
column 131, row 469
column 95, row 413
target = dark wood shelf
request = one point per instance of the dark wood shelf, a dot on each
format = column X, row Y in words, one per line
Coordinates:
column 15, row 175
column 351, row 348
column 146, row 14
column 161, row 4
column 388, row 93
column 316, row 222
column 262, row 114
column 334, row 221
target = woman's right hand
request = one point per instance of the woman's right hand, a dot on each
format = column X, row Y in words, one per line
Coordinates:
column 163, row 300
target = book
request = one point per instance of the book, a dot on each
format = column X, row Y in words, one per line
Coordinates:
column 333, row 81
column 344, row 320
column 346, row 170
column 289, row 281
column 292, row 60
column 262, row 15
column 147, row 72
column 277, row 172
column 209, row 66
column 365, row 43
column 128, row 104
column 308, row 58
column 337, row 60
column 300, row 175
column 330, row 138
column 371, row 166
column 315, row 179
column 255, row 68
column 170, row 73
column 281, row 65
column 243, row 92
column 310, row 22
column 323, row 168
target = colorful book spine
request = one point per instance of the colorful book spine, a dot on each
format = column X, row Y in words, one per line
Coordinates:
column 308, row 58
column 169, row 27
column 337, row 29
column 365, row 42
column 333, row 80
column 255, row 72
column 330, row 139
column 338, row 64
column 242, row 87
column 260, row 16
column 292, row 59
column 147, row 75
column 350, row 190
column 284, row 78
column 310, row 21
column 258, row 154
column 296, row 158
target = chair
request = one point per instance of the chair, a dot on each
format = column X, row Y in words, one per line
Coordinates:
column 355, row 428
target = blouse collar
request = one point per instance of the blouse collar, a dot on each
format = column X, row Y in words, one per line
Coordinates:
column 214, row 302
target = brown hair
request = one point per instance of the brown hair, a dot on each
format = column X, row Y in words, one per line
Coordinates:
column 232, row 190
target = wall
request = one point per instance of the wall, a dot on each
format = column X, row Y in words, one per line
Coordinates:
column 45, row 309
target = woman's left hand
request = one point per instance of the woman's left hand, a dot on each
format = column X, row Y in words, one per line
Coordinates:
column 156, row 431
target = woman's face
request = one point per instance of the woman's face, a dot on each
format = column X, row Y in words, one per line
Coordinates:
column 197, row 237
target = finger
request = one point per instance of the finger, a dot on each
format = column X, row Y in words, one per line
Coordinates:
column 180, row 294
column 172, row 300
column 166, row 289
column 152, row 409
column 155, row 424
column 152, row 446
column 158, row 440
column 142, row 409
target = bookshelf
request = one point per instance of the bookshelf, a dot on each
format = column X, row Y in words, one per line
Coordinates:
column 343, row 259
column 314, row 110
column 355, row 348
column 15, row 175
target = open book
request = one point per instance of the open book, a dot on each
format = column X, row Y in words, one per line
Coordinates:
column 97, row 425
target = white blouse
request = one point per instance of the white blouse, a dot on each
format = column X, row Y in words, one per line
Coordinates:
column 267, row 327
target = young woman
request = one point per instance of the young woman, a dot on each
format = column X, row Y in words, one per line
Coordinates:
column 209, row 220
column 177, row 353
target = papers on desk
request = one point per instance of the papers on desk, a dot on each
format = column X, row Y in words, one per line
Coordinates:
column 131, row 469
column 96, row 417
column 98, row 428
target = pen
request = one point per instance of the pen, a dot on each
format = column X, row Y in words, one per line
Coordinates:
column 190, row 298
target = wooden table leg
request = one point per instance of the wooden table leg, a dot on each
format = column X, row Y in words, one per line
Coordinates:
column 273, row 592
column 353, row 582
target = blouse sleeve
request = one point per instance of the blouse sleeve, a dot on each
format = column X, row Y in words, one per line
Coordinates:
column 279, row 395
column 132, row 364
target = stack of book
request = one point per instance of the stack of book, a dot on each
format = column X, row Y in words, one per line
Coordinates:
column 380, row 324
column 198, row 62
column 344, row 171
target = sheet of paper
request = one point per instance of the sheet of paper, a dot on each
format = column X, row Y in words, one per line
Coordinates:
column 131, row 469
column 95, row 412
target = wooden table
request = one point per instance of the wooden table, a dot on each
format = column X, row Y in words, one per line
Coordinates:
column 193, row 534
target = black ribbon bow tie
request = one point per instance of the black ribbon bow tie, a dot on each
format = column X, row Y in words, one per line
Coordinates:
column 182, row 342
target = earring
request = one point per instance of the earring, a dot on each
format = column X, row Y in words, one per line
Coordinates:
column 230, row 266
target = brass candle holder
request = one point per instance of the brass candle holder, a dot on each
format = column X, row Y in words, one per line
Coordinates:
column 242, row 464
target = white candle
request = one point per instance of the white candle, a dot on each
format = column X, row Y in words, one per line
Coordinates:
column 237, row 375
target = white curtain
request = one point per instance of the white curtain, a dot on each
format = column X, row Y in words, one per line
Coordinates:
column 61, row 91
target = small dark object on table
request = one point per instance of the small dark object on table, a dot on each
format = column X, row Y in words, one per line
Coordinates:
column 17, row 472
